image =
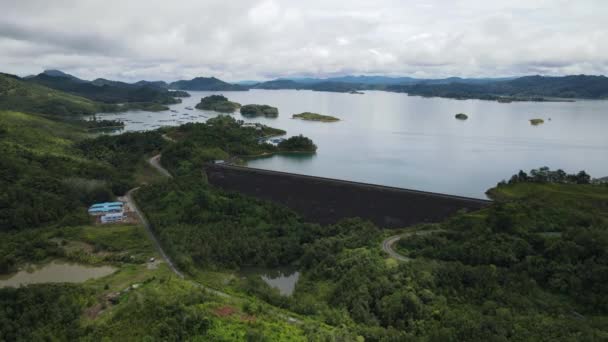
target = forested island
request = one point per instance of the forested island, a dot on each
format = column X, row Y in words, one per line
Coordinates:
column 315, row 117
column 531, row 266
column 218, row 103
column 253, row 110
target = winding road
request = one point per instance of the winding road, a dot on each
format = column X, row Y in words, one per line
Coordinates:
column 155, row 163
column 387, row 244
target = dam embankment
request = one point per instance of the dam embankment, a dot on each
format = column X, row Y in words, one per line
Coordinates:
column 326, row 201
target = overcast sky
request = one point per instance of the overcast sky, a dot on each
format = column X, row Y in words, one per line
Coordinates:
column 251, row 39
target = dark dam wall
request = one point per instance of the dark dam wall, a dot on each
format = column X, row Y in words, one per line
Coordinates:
column 326, row 201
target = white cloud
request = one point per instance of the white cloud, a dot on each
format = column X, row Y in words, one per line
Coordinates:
column 252, row 39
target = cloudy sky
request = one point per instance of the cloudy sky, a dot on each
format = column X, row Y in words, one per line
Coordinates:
column 264, row 39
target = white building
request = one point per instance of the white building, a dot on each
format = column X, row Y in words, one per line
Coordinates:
column 112, row 217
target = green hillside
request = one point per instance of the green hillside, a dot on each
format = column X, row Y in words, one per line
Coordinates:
column 18, row 95
column 103, row 90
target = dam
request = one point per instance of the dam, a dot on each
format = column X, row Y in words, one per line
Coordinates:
column 326, row 201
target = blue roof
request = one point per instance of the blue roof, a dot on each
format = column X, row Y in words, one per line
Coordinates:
column 106, row 204
column 105, row 207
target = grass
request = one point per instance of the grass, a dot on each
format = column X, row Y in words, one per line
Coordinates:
column 40, row 134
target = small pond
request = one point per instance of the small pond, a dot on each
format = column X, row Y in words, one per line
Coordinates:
column 284, row 278
column 55, row 272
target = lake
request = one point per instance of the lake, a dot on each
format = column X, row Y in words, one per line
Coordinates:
column 414, row 142
column 55, row 272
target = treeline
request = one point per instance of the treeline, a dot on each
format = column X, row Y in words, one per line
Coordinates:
column 545, row 175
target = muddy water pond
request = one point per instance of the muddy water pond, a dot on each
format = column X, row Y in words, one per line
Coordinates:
column 55, row 272
column 284, row 278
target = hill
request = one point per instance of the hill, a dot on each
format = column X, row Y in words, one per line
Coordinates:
column 280, row 84
column 155, row 84
column 103, row 90
column 206, row 83
column 18, row 95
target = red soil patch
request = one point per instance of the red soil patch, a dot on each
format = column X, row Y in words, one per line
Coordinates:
column 248, row 318
column 224, row 311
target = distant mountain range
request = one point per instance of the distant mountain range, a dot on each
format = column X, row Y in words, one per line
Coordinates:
column 527, row 88
column 537, row 88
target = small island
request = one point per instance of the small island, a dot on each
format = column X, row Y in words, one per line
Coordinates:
column 536, row 122
column 218, row 103
column 297, row 143
column 315, row 117
column 253, row 110
column 461, row 116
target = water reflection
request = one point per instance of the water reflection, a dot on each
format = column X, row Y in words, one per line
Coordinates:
column 55, row 272
column 284, row 278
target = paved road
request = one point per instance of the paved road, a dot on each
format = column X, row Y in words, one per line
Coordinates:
column 387, row 244
column 146, row 224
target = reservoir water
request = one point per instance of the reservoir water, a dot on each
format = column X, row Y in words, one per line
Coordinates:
column 414, row 142
column 55, row 272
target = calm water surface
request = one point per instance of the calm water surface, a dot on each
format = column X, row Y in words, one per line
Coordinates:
column 414, row 142
column 55, row 272
column 283, row 278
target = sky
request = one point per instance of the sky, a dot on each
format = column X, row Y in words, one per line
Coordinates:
column 266, row 39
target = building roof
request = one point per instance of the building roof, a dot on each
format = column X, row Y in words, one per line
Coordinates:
column 97, row 205
column 112, row 215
